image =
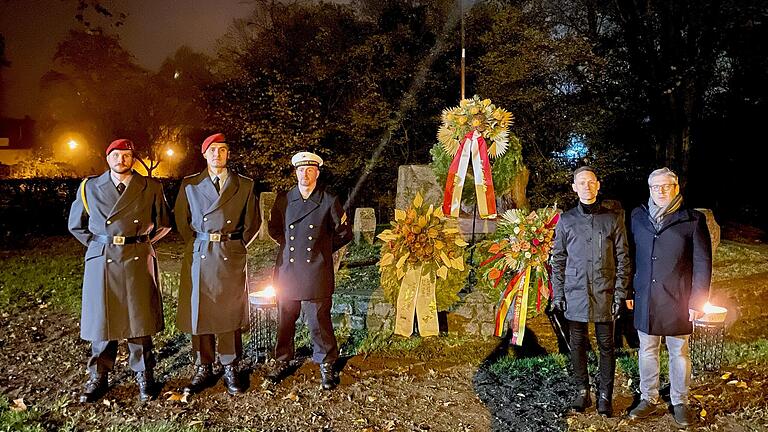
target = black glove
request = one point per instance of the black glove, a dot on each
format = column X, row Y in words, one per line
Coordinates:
column 558, row 305
column 616, row 307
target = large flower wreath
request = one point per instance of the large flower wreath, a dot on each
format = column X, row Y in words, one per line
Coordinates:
column 462, row 141
column 514, row 262
column 422, row 265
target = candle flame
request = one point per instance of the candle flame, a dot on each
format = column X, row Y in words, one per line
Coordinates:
column 710, row 308
column 269, row 291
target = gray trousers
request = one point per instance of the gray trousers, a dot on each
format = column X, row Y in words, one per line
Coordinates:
column 679, row 367
column 230, row 347
column 104, row 353
column 318, row 315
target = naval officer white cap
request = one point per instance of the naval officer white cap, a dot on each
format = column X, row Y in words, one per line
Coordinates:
column 306, row 158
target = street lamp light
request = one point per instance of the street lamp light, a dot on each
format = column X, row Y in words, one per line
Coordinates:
column 169, row 152
column 72, row 144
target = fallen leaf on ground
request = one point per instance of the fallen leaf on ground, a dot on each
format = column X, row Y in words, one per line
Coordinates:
column 18, row 405
column 741, row 384
column 703, row 413
column 292, row 396
column 732, row 382
column 106, row 402
column 725, row 376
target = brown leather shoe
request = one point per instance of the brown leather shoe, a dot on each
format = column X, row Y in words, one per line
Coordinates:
column 95, row 387
column 202, row 378
column 146, row 382
column 232, row 379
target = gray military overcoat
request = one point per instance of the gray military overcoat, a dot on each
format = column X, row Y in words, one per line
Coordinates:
column 214, row 284
column 121, row 296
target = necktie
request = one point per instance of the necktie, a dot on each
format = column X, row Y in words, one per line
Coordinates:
column 120, row 188
column 216, row 183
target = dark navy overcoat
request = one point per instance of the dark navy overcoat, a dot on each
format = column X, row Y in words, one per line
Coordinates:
column 308, row 232
column 673, row 270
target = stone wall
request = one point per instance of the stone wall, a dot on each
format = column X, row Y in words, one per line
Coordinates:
column 473, row 315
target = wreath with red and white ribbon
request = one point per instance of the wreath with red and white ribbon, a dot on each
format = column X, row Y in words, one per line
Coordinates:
column 465, row 135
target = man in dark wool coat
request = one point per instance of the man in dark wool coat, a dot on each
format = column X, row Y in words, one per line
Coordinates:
column 217, row 215
column 309, row 224
column 118, row 216
column 590, row 273
column 673, row 270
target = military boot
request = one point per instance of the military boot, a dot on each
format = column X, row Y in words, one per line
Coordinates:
column 328, row 376
column 146, row 382
column 95, row 387
column 232, row 379
column 582, row 401
column 202, row 378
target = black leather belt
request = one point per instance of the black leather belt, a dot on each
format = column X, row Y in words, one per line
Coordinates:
column 218, row 237
column 119, row 240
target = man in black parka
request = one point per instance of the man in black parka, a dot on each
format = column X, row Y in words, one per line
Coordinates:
column 673, row 261
column 309, row 224
column 590, row 273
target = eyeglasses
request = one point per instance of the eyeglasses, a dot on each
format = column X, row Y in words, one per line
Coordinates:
column 663, row 188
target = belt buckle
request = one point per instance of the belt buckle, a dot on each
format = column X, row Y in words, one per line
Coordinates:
column 118, row 240
column 214, row 237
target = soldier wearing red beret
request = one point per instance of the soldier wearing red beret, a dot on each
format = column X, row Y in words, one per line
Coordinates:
column 119, row 215
column 217, row 215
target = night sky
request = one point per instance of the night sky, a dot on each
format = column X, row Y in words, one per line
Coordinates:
column 153, row 31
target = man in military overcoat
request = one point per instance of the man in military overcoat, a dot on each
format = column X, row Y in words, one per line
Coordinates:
column 217, row 215
column 118, row 216
column 309, row 224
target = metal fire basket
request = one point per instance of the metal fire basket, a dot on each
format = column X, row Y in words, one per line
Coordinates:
column 263, row 325
column 707, row 340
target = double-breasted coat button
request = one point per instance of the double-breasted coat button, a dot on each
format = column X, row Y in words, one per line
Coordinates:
column 225, row 258
column 307, row 260
column 311, row 226
column 229, row 221
column 205, row 219
column 292, row 248
column 135, row 258
column 291, row 237
column 109, row 222
column 309, row 249
column 291, row 260
column 290, row 226
column 309, row 238
column 202, row 256
column 654, row 281
column 135, row 221
column 109, row 260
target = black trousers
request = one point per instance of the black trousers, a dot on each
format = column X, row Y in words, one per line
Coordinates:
column 104, row 353
column 230, row 347
column 607, row 363
column 318, row 315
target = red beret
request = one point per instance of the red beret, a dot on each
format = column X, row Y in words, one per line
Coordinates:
column 120, row 144
column 215, row 138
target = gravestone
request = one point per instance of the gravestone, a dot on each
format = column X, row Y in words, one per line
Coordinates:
column 714, row 228
column 266, row 201
column 364, row 226
column 417, row 178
